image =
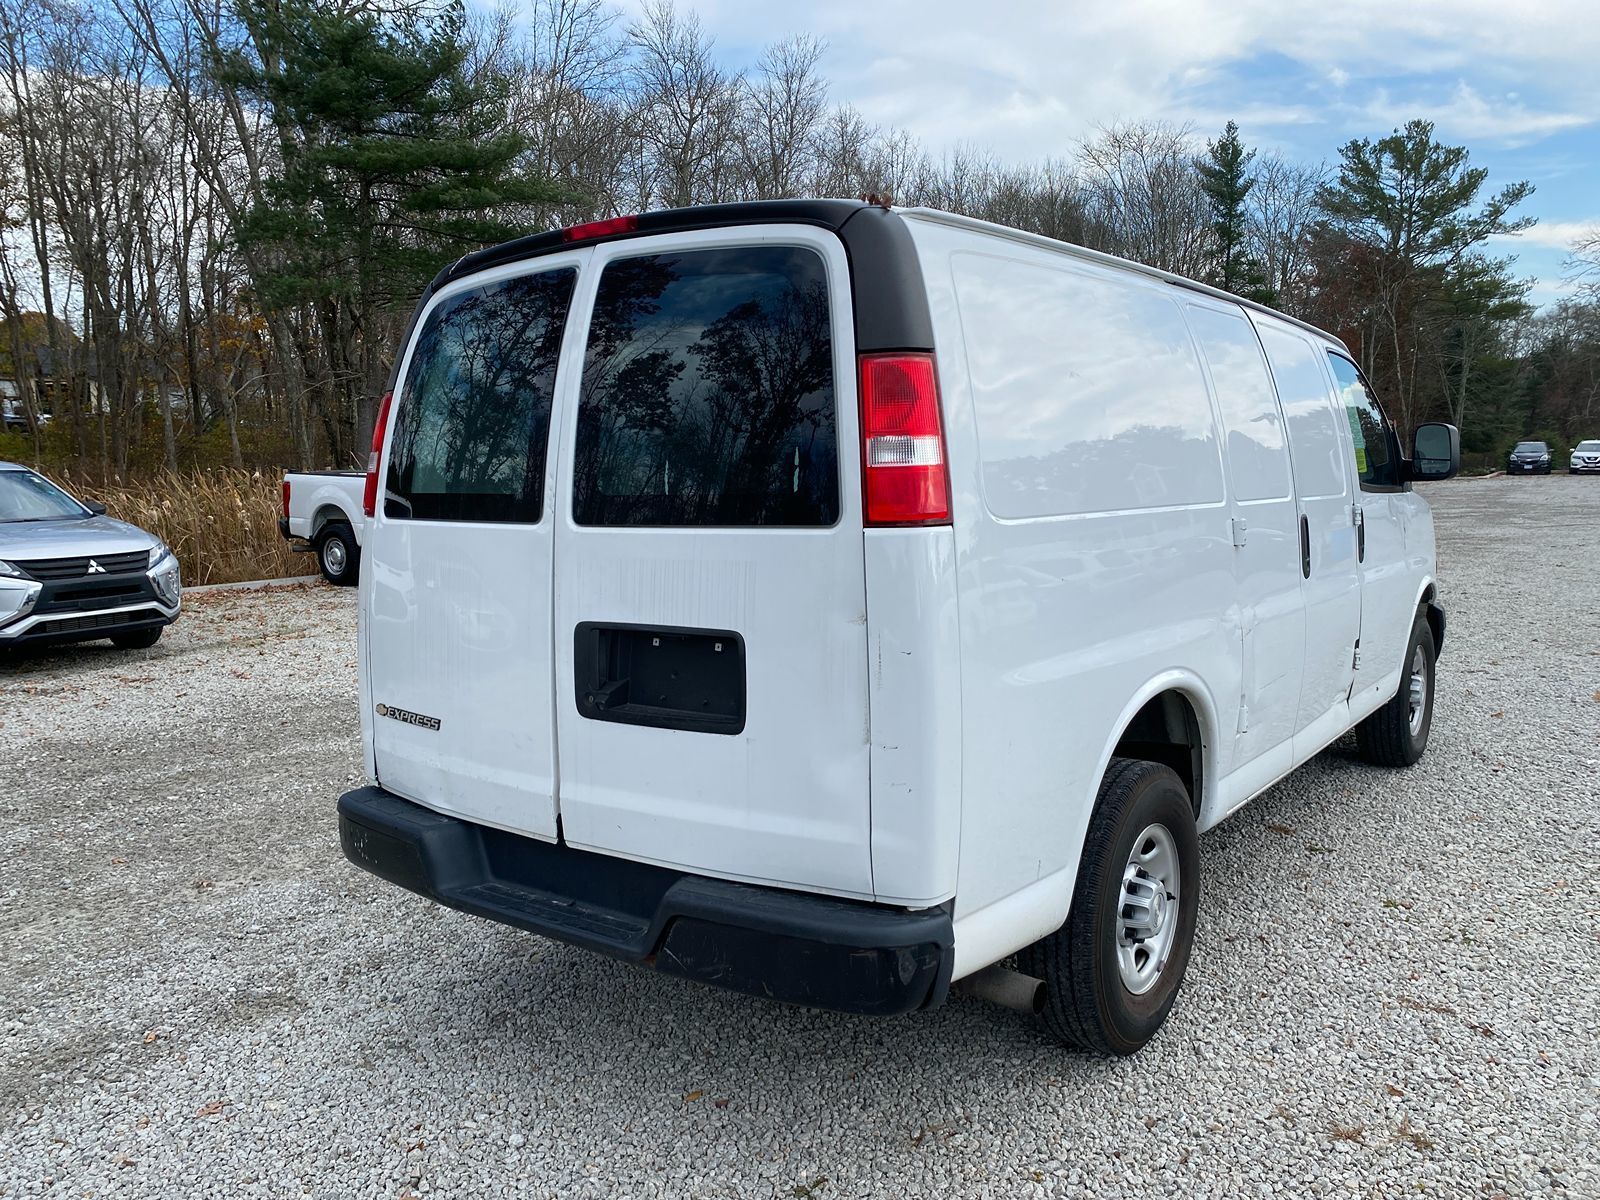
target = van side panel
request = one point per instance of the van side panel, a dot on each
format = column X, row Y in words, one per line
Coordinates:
column 914, row 682
column 1068, row 387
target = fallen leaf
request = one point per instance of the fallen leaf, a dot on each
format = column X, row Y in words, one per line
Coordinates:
column 1501, row 713
column 722, row 1103
column 150, row 1036
column 211, row 1108
column 1392, row 1090
column 119, row 862
column 693, row 1096
column 1274, row 827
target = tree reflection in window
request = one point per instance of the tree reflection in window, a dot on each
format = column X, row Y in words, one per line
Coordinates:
column 474, row 418
column 708, row 395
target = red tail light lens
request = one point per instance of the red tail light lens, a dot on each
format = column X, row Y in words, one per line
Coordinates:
column 599, row 229
column 369, row 497
column 285, row 499
column 902, row 442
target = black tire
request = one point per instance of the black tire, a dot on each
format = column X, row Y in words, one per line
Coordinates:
column 1386, row 738
column 1087, row 1004
column 136, row 639
column 338, row 556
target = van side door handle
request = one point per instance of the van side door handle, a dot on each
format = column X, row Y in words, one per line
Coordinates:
column 1361, row 533
column 1305, row 547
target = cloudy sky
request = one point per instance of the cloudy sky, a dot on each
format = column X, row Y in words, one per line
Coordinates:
column 1516, row 81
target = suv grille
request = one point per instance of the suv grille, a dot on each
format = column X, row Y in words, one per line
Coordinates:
column 78, row 568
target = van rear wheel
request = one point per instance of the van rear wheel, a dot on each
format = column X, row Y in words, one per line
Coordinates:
column 1113, row 970
column 1397, row 734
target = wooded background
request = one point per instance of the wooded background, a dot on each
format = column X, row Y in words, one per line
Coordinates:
column 215, row 215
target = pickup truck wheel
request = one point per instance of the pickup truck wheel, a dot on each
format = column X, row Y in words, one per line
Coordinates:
column 138, row 639
column 338, row 556
column 1112, row 972
column 1397, row 734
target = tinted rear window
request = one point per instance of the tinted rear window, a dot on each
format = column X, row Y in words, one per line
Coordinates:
column 708, row 392
column 474, row 417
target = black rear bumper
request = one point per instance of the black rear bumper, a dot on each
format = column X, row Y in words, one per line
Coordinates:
column 791, row 946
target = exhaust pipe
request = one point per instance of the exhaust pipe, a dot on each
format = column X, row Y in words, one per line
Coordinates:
column 1005, row 987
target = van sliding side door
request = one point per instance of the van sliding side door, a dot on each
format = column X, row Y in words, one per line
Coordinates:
column 1329, row 561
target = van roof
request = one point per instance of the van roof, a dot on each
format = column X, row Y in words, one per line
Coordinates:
column 891, row 311
column 939, row 216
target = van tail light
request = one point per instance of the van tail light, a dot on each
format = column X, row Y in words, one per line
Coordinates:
column 905, row 481
column 285, row 499
column 369, row 496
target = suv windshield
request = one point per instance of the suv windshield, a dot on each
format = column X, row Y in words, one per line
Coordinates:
column 1529, row 448
column 1589, row 447
column 25, row 496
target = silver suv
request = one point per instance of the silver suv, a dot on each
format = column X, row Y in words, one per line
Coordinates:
column 69, row 573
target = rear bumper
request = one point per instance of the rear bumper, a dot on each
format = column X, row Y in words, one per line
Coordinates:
column 790, row 946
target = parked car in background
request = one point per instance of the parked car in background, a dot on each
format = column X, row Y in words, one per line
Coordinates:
column 1529, row 458
column 322, row 512
column 70, row 573
column 1585, row 457
column 878, row 637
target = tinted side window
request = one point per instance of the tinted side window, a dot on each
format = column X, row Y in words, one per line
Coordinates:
column 1368, row 428
column 1315, row 443
column 474, row 417
column 1088, row 393
column 1257, row 455
column 708, row 392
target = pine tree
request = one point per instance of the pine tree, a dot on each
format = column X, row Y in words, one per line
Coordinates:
column 1225, row 176
column 391, row 162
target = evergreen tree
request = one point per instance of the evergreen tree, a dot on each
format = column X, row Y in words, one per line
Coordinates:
column 1402, row 232
column 392, row 161
column 1225, row 177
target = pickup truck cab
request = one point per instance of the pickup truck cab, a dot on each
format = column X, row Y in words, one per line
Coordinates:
column 832, row 602
column 322, row 514
column 69, row 573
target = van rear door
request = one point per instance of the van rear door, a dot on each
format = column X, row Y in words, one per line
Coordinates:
column 458, row 557
column 710, row 608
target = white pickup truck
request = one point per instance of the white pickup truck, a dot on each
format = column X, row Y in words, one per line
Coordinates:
column 322, row 512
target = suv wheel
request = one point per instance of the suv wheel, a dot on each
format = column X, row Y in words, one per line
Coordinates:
column 338, row 556
column 136, row 639
column 1112, row 972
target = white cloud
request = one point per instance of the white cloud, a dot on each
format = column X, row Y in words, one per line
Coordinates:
column 1009, row 73
column 1553, row 235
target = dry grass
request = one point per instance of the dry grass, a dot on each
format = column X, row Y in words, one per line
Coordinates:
column 221, row 522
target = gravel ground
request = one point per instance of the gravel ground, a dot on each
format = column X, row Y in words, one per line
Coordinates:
column 1395, row 991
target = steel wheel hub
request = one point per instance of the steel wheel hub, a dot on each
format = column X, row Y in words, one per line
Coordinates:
column 333, row 555
column 1147, row 921
column 1417, row 691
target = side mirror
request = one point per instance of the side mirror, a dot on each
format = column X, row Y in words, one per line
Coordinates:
column 1435, row 451
column 95, row 507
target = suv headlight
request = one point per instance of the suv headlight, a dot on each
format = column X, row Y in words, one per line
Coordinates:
column 17, row 594
column 164, row 574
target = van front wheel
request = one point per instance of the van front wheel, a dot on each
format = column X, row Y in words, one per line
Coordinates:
column 1112, row 972
column 1397, row 734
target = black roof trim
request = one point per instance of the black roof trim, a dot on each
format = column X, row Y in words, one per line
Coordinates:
column 830, row 214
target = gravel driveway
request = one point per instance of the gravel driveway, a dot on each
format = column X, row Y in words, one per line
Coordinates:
column 1395, row 992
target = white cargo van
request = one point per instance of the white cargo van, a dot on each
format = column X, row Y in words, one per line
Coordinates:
column 832, row 602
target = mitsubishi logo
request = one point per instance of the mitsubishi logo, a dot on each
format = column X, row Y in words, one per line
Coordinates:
column 95, row 568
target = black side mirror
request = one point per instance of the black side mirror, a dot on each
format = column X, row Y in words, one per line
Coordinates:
column 95, row 507
column 1435, row 451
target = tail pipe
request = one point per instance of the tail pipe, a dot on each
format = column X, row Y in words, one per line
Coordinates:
column 1005, row 987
